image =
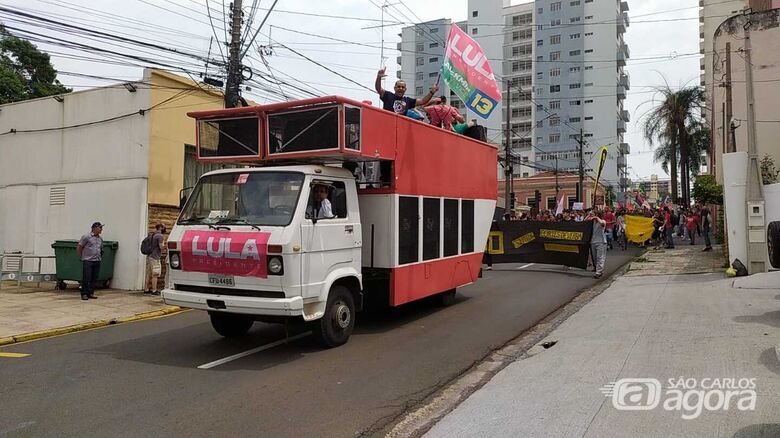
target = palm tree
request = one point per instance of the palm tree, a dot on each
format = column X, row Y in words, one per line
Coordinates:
column 699, row 144
column 676, row 125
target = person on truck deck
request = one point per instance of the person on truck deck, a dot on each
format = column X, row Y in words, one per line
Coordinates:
column 398, row 102
column 443, row 115
column 322, row 206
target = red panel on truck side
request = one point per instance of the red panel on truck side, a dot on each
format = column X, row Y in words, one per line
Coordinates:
column 420, row 280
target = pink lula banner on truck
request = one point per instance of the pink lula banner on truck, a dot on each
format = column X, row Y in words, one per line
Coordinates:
column 467, row 72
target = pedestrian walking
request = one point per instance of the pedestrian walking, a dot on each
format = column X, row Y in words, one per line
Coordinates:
column 690, row 223
column 668, row 228
column 598, row 241
column 152, row 247
column 90, row 250
column 706, row 225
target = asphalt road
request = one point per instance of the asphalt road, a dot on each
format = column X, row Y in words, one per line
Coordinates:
column 142, row 379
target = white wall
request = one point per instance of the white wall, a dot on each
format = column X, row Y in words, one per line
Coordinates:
column 103, row 168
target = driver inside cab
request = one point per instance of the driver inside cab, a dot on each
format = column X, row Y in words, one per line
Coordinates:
column 322, row 206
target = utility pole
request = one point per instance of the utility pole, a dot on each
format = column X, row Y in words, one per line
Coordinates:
column 756, row 232
column 580, row 140
column 557, row 187
column 234, row 58
column 730, row 146
column 507, row 146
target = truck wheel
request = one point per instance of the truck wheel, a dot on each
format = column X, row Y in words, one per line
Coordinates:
column 773, row 243
column 447, row 298
column 230, row 325
column 336, row 325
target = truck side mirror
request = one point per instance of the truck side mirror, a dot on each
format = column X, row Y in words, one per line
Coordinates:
column 182, row 201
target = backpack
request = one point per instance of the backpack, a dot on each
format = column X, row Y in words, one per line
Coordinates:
column 147, row 245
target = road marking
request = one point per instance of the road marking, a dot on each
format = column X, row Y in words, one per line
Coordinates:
column 524, row 266
column 252, row 351
column 14, row 354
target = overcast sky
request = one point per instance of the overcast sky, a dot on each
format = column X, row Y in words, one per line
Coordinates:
column 184, row 25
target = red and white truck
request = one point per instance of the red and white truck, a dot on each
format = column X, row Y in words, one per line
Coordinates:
column 257, row 242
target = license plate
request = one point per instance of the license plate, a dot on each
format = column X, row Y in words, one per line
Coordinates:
column 221, row 280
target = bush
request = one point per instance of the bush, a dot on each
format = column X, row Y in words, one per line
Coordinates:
column 707, row 190
column 769, row 172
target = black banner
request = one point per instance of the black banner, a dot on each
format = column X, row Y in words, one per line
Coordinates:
column 554, row 243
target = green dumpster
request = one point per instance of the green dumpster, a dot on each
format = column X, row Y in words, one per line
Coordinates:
column 69, row 266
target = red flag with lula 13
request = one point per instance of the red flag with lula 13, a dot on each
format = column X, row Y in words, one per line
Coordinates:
column 467, row 71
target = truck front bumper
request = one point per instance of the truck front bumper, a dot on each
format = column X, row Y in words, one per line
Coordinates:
column 292, row 306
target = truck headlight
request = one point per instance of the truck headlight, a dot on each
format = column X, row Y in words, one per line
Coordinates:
column 175, row 260
column 275, row 266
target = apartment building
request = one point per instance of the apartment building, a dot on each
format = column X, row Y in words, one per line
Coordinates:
column 580, row 85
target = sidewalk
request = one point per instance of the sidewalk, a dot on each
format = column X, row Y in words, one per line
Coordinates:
column 31, row 313
column 642, row 327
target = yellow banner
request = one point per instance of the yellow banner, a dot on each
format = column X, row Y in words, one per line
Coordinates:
column 638, row 229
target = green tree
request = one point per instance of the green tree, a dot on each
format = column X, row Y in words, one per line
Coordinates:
column 707, row 189
column 769, row 172
column 676, row 125
column 25, row 71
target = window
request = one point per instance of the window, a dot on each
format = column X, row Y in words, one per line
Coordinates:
column 531, row 202
column 435, row 30
column 588, row 33
column 574, row 103
column 467, row 226
column 555, row 6
column 555, row 138
column 419, row 61
column 588, row 67
column 555, row 121
column 574, row 119
column 555, row 88
column 474, row 31
column 574, row 69
column 337, row 194
column 522, row 66
column 588, row 17
column 540, row 11
column 538, row 140
column 575, row 86
column 475, row 14
column 525, row 159
column 555, row 22
column 588, row 117
column 540, row 59
column 540, row 124
column 540, row 75
column 434, row 59
column 538, row 108
column 419, row 75
column 588, row 135
column 555, row 104
column 431, row 228
column 589, row 51
column 588, row 84
column 551, row 202
column 519, row 20
column 574, row 36
column 525, row 49
column 575, row 3
column 408, row 225
column 589, row 101
column 419, row 47
column 539, row 43
column 555, row 72
column 525, row 174
column 521, row 112
column 575, row 53
column 450, row 227
column 575, row 19
column 433, row 45
column 555, row 56
column 555, row 39
column 433, row 75
column 418, row 91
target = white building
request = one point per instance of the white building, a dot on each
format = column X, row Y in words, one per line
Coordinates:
column 117, row 154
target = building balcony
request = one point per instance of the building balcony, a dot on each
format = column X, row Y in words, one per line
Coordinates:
column 625, row 116
column 398, row 74
column 621, row 59
column 623, row 47
column 625, row 81
column 621, row 92
column 622, row 23
column 622, row 162
column 398, row 60
column 624, row 148
column 624, row 6
column 621, row 126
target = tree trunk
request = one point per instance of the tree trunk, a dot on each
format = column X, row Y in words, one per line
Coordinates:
column 673, row 167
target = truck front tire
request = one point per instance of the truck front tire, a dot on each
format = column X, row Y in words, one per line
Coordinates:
column 336, row 325
column 230, row 325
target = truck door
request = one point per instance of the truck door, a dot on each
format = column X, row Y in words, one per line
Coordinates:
column 330, row 233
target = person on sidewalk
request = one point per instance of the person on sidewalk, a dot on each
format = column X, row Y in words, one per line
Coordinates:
column 598, row 241
column 706, row 224
column 609, row 216
column 668, row 228
column 690, row 223
column 154, row 245
column 90, row 250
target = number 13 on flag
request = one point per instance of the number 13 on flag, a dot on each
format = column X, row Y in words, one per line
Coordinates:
column 481, row 104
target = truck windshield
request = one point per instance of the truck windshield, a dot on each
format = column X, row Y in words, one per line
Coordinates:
column 256, row 198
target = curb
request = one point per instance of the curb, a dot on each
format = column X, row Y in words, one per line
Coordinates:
column 432, row 408
column 8, row 340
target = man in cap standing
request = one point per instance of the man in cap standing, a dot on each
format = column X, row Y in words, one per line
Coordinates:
column 90, row 249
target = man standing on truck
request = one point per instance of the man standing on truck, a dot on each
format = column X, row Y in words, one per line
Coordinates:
column 90, row 250
column 398, row 102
